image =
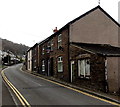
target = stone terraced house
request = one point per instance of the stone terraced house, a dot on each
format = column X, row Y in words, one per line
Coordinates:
column 86, row 52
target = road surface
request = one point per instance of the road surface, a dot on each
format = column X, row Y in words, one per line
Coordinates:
column 41, row 92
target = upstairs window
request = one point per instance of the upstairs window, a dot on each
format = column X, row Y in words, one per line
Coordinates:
column 43, row 50
column 51, row 43
column 35, row 51
column 60, row 64
column 84, row 68
column 43, row 65
column 48, row 47
column 59, row 41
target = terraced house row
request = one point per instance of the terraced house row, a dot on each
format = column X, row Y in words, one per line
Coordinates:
column 85, row 52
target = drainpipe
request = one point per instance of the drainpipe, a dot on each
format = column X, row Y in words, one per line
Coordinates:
column 106, row 76
column 38, row 58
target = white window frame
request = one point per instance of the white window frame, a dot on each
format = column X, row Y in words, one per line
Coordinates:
column 85, row 73
column 48, row 47
column 52, row 44
column 59, row 40
column 43, row 65
column 35, row 51
column 43, row 50
column 60, row 61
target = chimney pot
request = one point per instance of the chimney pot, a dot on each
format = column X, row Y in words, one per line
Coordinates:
column 55, row 30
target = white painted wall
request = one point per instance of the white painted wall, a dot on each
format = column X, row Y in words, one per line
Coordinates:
column 29, row 60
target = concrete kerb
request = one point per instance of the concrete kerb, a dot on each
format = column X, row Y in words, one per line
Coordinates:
column 76, row 87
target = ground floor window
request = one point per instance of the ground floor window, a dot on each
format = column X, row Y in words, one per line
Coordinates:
column 60, row 64
column 43, row 65
column 84, row 68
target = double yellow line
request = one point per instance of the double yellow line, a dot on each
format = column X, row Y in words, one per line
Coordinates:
column 23, row 101
column 87, row 94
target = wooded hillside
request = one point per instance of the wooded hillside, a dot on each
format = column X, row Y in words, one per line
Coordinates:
column 17, row 49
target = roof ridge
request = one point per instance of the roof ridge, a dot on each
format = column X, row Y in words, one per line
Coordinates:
column 105, row 45
column 84, row 14
column 81, row 16
column 97, row 7
column 109, row 16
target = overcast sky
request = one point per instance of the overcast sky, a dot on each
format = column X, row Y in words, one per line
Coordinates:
column 31, row 21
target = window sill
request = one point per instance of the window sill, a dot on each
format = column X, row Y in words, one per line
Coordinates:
column 85, row 78
column 43, row 71
column 60, row 71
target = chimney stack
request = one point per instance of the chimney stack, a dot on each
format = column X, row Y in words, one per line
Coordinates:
column 55, row 30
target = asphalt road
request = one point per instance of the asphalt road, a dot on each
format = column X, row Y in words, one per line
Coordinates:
column 41, row 92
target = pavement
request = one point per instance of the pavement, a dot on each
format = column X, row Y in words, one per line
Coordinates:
column 6, row 98
column 0, row 90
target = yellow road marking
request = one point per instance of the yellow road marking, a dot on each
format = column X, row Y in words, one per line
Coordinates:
column 76, row 90
column 81, row 92
column 17, row 93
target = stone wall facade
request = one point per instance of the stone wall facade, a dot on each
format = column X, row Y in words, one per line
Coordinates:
column 96, row 81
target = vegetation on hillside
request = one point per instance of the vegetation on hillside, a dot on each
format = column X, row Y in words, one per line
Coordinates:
column 15, row 48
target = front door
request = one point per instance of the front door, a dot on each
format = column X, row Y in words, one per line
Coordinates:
column 72, row 71
column 51, row 67
column 48, row 67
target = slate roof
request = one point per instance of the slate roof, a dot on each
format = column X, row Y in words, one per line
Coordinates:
column 76, row 19
column 32, row 47
column 100, row 49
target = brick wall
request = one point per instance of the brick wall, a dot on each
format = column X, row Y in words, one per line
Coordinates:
column 35, row 58
column 55, row 54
